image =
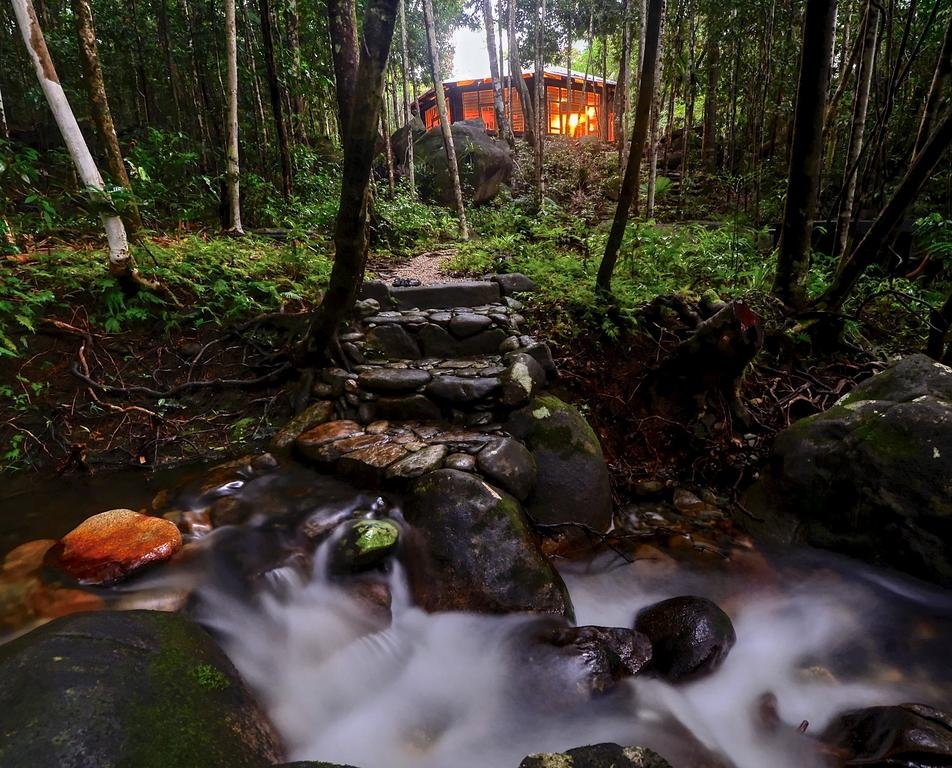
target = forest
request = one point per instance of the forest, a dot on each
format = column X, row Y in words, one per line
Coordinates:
column 485, row 383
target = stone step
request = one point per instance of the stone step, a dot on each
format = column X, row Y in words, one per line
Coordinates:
column 464, row 293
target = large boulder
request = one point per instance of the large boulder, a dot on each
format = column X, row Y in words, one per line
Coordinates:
column 872, row 476
column 471, row 550
column 484, row 163
column 127, row 689
column 598, row 756
column 572, row 483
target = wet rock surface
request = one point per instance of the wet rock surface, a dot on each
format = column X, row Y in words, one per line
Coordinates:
column 598, row 756
column 113, row 545
column 690, row 637
column 136, row 688
column 870, row 476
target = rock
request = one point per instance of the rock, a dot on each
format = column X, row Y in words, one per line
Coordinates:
column 366, row 308
column 26, row 558
column 573, row 484
column 690, row 637
column 460, row 293
column 521, row 381
column 468, row 324
column 543, row 356
column 392, row 342
column 113, row 545
column 412, row 408
column 460, row 391
column 310, row 443
column 315, row 414
column 399, row 141
column 484, row 164
column 905, row 736
column 510, row 344
column 508, row 464
column 394, row 379
column 870, row 476
column 364, row 545
column 425, row 460
column 131, row 688
column 367, row 466
column 461, row 461
column 435, row 341
column 514, row 282
column 598, row 756
column 473, row 550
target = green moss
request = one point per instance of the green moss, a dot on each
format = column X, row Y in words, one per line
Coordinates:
column 564, row 429
column 375, row 536
column 210, row 677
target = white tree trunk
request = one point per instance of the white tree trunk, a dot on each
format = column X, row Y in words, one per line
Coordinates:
column 231, row 150
column 4, row 128
column 120, row 262
column 407, row 115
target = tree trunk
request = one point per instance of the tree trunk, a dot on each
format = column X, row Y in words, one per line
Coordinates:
column 121, row 265
column 622, row 86
column 652, row 186
column 165, row 38
column 502, row 124
column 569, row 130
column 297, row 100
column 793, row 258
column 940, row 321
column 939, row 92
column 629, row 186
column 864, row 80
column 342, row 24
column 4, row 128
column 407, row 115
column 391, row 173
column 688, row 105
column 588, row 69
column 709, row 140
column 515, row 68
column 603, row 112
column 102, row 117
column 231, row 150
column 274, row 88
column 542, row 116
column 865, row 253
column 351, row 233
column 445, row 126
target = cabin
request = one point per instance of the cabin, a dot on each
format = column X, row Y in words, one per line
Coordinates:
column 473, row 99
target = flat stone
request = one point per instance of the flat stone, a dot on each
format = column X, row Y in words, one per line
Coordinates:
column 510, row 344
column 462, row 391
column 353, row 353
column 311, row 441
column 462, row 462
column 27, row 558
column 377, row 291
column 514, row 283
column 394, row 379
column 367, row 466
column 393, row 342
column 598, row 756
column 521, row 381
column 366, row 307
column 468, row 324
column 440, row 317
column 110, row 546
column 312, row 416
column 435, row 341
column 543, row 356
column 414, row 407
column 508, row 464
column 378, row 427
column 424, row 460
column 464, row 293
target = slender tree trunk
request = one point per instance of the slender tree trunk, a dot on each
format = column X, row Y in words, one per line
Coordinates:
column 709, row 140
column 622, row 86
column 653, row 131
column 175, row 82
column 198, row 89
column 515, row 68
column 297, row 100
column 96, row 88
column 274, row 88
column 407, row 115
column 939, row 91
column 688, row 104
column 542, row 116
column 445, row 126
column 351, row 233
column 342, row 23
column 860, row 105
column 4, row 128
column 391, row 173
column 603, row 112
column 231, row 150
column 502, row 124
column 261, row 127
column 629, row 186
column 121, row 265
column 865, row 253
column 568, row 80
column 793, row 258
column 588, row 69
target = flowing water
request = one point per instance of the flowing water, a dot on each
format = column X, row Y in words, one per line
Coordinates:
column 346, row 680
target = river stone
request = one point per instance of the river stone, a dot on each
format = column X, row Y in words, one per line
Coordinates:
column 393, row 379
column 871, row 477
column 129, row 689
column 473, row 550
column 514, row 282
column 468, row 324
column 26, row 558
column 310, row 443
column 367, row 466
column 393, row 342
column 111, row 546
column 521, row 380
column 906, row 736
column 573, row 483
column 543, row 356
column 461, row 391
column 690, row 637
column 508, row 464
column 461, row 461
column 364, row 545
column 412, row 408
column 315, row 414
column 598, row 756
column 419, row 463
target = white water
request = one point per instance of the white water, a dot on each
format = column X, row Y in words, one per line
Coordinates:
column 430, row 691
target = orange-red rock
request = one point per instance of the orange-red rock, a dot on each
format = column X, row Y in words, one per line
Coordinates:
column 26, row 558
column 313, row 439
column 53, row 603
column 109, row 546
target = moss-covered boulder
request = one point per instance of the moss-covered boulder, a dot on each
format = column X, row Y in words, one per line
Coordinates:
column 471, row 549
column 136, row 689
column 572, row 484
column 365, row 544
column 598, row 756
column 872, row 476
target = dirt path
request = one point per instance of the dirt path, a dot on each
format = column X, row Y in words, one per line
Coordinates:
column 425, row 267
